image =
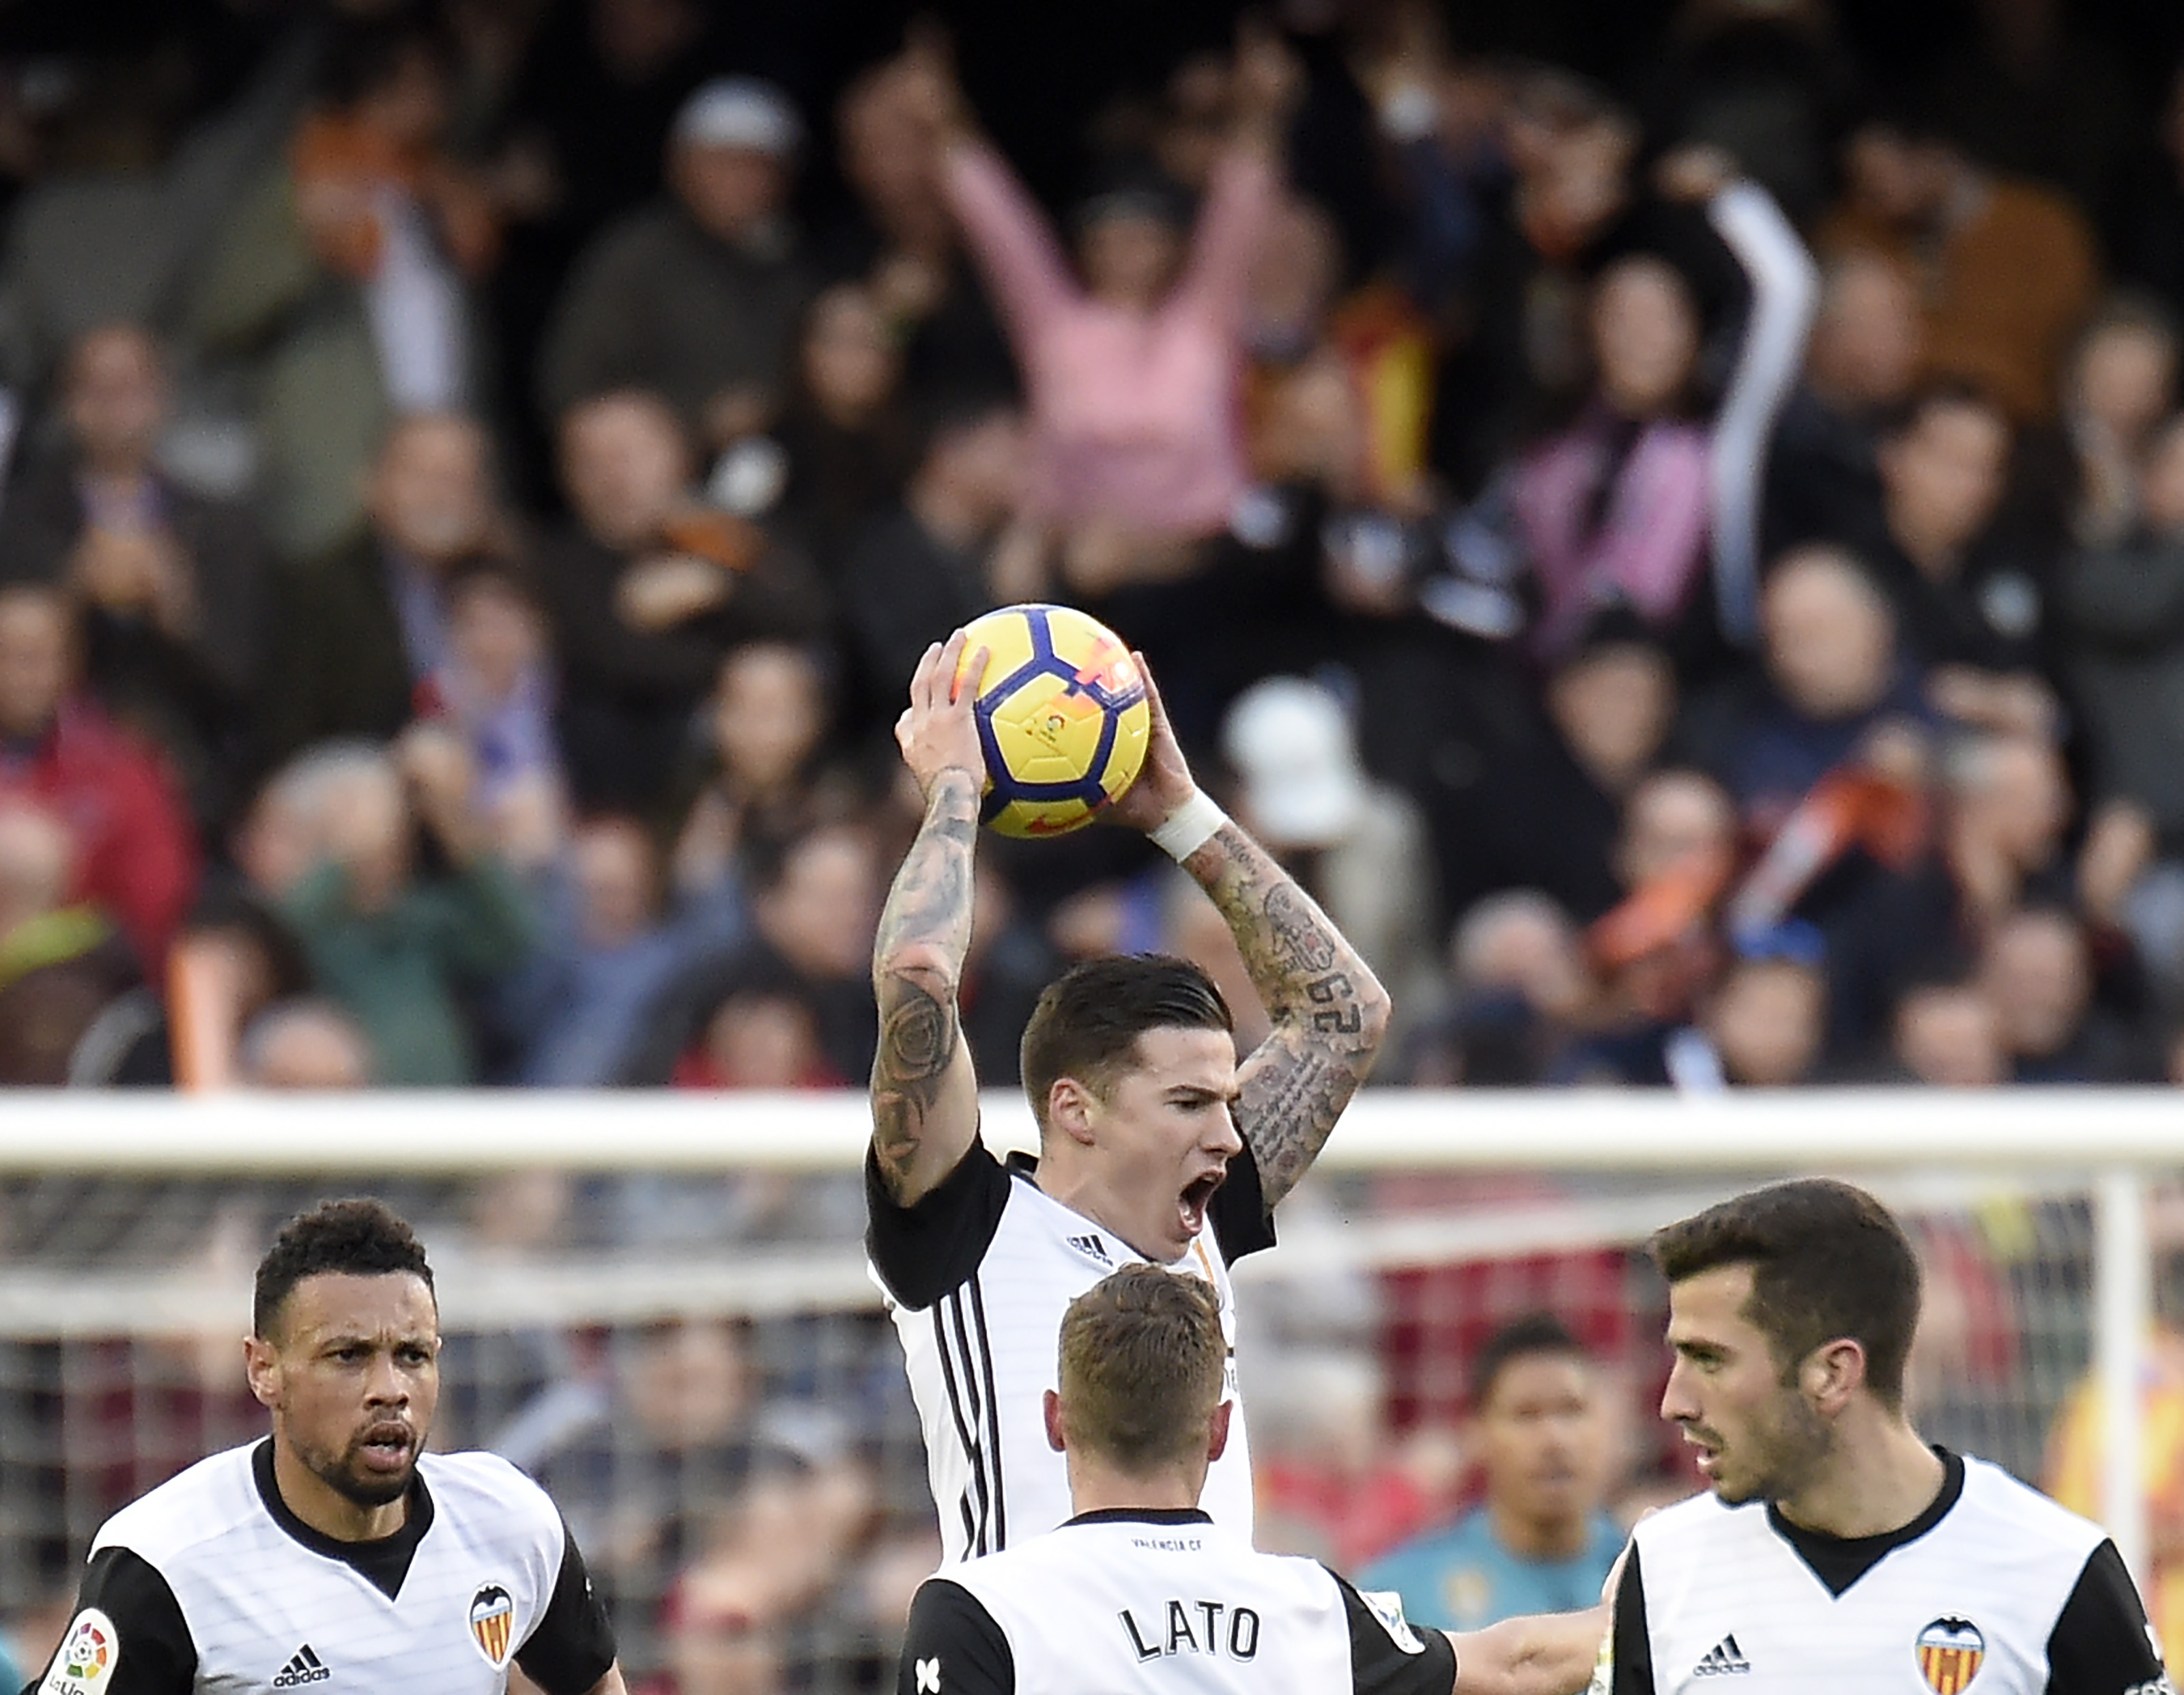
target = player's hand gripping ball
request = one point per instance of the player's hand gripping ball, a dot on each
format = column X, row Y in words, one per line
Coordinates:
column 1062, row 716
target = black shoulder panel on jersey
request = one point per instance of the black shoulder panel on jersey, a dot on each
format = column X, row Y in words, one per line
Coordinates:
column 953, row 1647
column 155, row 1653
column 2100, row 1645
column 934, row 1245
column 1633, row 1647
column 573, row 1647
column 1242, row 1221
column 1381, row 1665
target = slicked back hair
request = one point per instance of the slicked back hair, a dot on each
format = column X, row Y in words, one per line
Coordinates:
column 1142, row 1361
column 1827, row 1260
column 1087, row 1023
column 358, row 1238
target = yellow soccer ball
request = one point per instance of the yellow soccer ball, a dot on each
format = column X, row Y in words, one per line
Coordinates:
column 1062, row 715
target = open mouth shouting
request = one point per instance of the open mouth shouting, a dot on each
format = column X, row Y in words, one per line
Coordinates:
column 1198, row 1194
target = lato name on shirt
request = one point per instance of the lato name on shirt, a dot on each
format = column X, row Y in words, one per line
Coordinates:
column 1240, row 1640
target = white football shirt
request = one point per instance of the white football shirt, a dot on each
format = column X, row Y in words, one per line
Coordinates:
column 1167, row 1603
column 978, row 1275
column 209, row 1583
column 1994, row 1590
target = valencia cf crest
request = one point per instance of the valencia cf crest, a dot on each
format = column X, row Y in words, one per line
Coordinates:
column 493, row 1622
column 1950, row 1651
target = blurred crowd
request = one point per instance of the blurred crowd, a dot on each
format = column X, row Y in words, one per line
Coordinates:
column 1682, row 550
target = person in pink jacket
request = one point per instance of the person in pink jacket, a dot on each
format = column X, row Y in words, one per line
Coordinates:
column 1134, row 371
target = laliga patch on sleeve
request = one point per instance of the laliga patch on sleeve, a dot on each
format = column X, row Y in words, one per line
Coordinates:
column 1387, row 1606
column 88, row 1655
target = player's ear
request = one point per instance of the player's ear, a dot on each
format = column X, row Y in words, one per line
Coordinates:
column 1216, row 1432
column 1832, row 1373
column 1069, row 1109
column 1050, row 1408
column 261, row 1366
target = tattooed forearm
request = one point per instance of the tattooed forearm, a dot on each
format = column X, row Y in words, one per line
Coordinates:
column 918, row 1041
column 924, row 1108
column 1329, row 1011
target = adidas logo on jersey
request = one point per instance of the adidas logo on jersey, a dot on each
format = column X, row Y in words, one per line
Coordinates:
column 303, row 1667
column 1723, row 1659
column 1092, row 1248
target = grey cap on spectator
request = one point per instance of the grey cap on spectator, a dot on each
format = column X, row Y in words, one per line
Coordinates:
column 740, row 112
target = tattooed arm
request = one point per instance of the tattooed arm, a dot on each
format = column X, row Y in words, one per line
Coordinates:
column 925, row 1096
column 1329, row 1011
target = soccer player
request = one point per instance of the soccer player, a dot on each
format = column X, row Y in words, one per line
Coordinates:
column 1142, row 1590
column 1835, row 1550
column 1155, row 1144
column 337, row 1552
column 1539, row 1541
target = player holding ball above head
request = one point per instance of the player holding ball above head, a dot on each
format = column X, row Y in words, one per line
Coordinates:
column 1156, row 1145
column 336, row 1555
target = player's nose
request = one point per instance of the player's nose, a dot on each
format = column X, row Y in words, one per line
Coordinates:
column 1222, row 1137
column 1677, row 1404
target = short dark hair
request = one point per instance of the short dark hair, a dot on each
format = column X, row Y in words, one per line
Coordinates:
column 1827, row 1261
column 1523, row 1338
column 1088, row 1022
column 1142, row 1361
column 359, row 1238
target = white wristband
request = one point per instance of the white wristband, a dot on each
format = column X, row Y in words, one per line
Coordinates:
column 1189, row 827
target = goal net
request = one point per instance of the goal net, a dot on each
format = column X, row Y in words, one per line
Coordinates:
column 660, row 1309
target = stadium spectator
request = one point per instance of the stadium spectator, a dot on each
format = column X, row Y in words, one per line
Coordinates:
column 607, row 949
column 304, row 1043
column 1133, row 373
column 646, row 588
column 1946, row 1032
column 1970, row 584
column 343, row 276
column 2120, row 386
column 845, row 430
column 365, row 627
column 1517, row 987
column 395, row 949
column 1833, row 676
column 1540, row 1428
column 919, row 571
column 60, row 965
column 767, row 738
column 1992, row 321
column 763, row 1035
column 174, row 585
column 493, row 688
column 2037, row 970
column 1867, row 348
column 1763, row 1024
column 1629, row 503
column 696, row 297
column 1355, row 844
column 135, row 853
column 2121, row 603
column 814, row 899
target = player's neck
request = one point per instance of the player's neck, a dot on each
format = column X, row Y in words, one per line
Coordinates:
column 1535, row 1538
column 1877, row 1480
column 1076, row 1190
column 328, row 1511
column 1096, row 1487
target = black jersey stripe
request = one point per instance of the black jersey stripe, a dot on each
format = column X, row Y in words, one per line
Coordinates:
column 993, row 1409
column 975, row 1494
column 978, row 1404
